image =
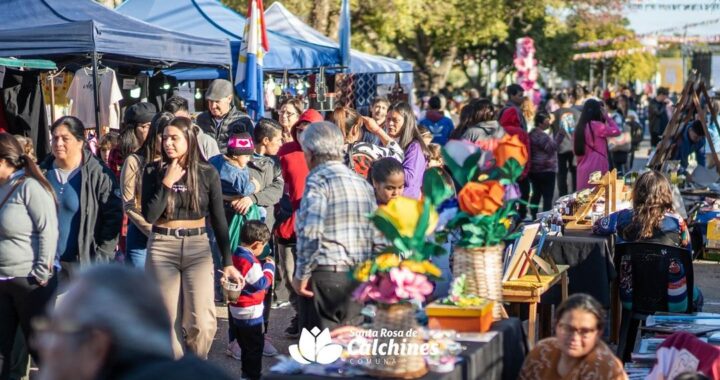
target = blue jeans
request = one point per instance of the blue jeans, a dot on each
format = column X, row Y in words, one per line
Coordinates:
column 136, row 247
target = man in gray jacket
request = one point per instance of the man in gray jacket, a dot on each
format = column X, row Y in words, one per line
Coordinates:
column 221, row 113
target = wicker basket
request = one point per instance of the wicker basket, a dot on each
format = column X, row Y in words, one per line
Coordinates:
column 396, row 318
column 482, row 268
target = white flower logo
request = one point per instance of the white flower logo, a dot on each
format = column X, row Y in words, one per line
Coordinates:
column 315, row 347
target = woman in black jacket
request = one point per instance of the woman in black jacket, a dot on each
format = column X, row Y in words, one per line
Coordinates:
column 89, row 206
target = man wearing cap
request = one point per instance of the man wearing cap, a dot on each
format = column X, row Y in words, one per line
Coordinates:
column 221, row 113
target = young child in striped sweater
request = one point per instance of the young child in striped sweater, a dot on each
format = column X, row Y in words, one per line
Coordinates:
column 246, row 328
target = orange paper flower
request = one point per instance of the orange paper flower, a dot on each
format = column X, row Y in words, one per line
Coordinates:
column 510, row 147
column 481, row 197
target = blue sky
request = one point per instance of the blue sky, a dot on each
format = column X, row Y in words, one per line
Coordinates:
column 644, row 21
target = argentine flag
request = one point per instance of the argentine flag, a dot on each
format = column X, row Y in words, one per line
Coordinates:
column 249, row 76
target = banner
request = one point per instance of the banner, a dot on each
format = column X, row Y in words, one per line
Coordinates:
column 610, row 41
column 612, row 53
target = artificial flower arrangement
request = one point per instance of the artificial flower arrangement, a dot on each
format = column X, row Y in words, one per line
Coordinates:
column 487, row 174
column 404, row 272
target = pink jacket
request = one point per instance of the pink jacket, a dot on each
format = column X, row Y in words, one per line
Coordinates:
column 596, row 151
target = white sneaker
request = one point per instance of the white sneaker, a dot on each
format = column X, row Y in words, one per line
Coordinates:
column 269, row 349
column 233, row 350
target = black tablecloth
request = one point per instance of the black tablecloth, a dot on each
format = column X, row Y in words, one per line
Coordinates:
column 591, row 265
column 501, row 358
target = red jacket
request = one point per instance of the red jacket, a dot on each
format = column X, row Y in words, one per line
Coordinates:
column 513, row 126
column 294, row 172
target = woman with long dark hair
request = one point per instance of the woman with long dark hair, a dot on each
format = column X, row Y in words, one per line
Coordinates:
column 590, row 141
column 28, row 241
column 177, row 193
column 131, row 185
column 652, row 219
column 477, row 122
column 402, row 126
column 89, row 209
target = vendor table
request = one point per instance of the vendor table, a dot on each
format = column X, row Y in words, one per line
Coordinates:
column 592, row 270
column 500, row 358
column 528, row 289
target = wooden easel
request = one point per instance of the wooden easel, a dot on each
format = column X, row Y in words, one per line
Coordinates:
column 688, row 106
column 609, row 188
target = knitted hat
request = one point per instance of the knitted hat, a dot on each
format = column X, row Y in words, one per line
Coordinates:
column 240, row 144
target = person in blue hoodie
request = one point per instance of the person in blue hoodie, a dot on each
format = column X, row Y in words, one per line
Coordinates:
column 436, row 122
column 691, row 140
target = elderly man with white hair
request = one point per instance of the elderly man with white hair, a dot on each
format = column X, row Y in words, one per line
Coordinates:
column 333, row 231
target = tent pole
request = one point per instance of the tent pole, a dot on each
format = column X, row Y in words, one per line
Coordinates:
column 52, row 95
column 96, row 95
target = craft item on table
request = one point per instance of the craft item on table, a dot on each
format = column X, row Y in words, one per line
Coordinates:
column 522, row 254
column 692, row 328
column 487, row 173
column 607, row 189
column 460, row 311
column 445, row 355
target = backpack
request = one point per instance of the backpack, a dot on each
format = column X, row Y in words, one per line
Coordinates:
column 567, row 122
column 636, row 132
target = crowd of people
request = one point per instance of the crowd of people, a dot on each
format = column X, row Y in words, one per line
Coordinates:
column 276, row 208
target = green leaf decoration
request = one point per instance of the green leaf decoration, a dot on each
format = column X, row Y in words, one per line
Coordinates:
column 390, row 232
column 434, row 187
column 470, row 167
column 421, row 227
column 456, row 171
column 512, row 170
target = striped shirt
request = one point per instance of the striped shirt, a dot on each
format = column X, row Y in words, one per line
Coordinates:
column 248, row 308
column 332, row 223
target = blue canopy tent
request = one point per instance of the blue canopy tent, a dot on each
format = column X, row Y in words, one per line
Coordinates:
column 212, row 19
column 81, row 30
column 280, row 19
column 52, row 28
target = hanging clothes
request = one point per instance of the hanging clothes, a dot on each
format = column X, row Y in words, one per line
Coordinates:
column 62, row 83
column 24, row 107
column 83, row 103
column 365, row 89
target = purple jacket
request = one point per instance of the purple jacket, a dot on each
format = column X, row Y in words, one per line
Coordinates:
column 414, row 165
column 544, row 149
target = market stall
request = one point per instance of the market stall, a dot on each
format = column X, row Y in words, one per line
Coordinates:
column 82, row 34
column 211, row 19
column 368, row 75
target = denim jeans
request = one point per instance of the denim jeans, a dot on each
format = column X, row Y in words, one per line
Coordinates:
column 135, row 247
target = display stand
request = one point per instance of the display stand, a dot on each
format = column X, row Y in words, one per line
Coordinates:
column 694, row 101
column 530, row 288
column 609, row 188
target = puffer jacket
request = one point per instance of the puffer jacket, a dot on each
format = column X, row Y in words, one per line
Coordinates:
column 242, row 123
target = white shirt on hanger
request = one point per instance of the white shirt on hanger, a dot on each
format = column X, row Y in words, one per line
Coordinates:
column 83, row 105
